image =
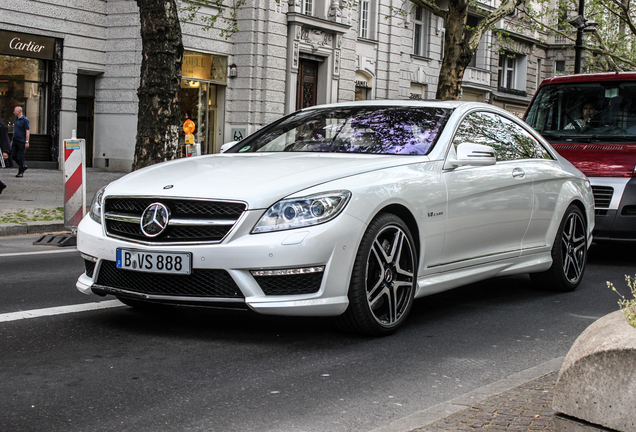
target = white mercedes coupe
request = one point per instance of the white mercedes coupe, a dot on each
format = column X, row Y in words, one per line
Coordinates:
column 349, row 210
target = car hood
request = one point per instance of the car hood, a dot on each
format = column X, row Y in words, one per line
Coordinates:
column 260, row 179
column 600, row 160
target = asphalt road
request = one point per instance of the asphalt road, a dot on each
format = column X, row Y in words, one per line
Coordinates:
column 183, row 369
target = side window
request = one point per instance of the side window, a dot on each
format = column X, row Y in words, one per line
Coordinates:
column 509, row 140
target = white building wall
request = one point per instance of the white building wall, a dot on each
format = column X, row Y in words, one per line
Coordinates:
column 116, row 88
column 81, row 25
column 101, row 38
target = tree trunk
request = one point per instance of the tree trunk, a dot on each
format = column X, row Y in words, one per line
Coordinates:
column 457, row 54
column 159, row 89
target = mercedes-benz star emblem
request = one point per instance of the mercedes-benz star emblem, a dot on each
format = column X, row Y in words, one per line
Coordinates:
column 154, row 219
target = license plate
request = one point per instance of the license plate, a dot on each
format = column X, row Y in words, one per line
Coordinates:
column 154, row 262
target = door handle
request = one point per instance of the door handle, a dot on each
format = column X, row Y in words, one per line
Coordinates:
column 518, row 173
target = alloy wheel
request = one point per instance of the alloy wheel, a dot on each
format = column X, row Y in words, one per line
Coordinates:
column 390, row 274
column 573, row 247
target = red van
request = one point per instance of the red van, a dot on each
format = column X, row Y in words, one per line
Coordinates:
column 590, row 119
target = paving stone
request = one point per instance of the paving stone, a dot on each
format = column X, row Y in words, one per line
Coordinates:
column 525, row 408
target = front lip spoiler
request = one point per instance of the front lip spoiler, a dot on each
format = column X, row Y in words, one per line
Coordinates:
column 233, row 303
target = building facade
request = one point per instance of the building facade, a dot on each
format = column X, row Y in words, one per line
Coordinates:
column 75, row 65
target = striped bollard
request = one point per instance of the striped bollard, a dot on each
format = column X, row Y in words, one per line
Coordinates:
column 74, row 182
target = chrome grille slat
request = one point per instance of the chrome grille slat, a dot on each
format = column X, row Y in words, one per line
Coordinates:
column 191, row 220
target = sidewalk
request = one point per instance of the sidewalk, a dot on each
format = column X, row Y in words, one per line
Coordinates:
column 42, row 189
column 521, row 402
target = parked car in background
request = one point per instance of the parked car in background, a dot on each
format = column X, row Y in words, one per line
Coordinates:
column 590, row 119
column 349, row 210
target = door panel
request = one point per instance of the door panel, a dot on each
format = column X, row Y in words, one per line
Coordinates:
column 489, row 207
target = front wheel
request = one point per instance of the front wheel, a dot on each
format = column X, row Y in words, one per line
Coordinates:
column 569, row 254
column 383, row 280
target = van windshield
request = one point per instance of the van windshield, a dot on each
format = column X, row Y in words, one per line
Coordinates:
column 585, row 111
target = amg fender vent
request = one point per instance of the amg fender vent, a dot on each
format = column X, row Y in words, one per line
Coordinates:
column 602, row 196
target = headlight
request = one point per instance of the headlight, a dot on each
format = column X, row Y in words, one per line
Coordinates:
column 96, row 206
column 300, row 212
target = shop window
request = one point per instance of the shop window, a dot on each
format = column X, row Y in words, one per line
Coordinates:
column 417, row 92
column 24, row 83
column 420, row 18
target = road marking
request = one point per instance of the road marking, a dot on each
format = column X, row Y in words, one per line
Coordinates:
column 59, row 310
column 38, row 252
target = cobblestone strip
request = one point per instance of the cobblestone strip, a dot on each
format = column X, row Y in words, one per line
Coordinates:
column 524, row 408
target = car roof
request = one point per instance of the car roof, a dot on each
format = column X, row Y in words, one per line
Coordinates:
column 401, row 103
column 606, row 76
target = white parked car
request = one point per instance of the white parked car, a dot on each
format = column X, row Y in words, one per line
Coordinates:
column 349, row 210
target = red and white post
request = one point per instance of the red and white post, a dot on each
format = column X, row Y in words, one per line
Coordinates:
column 74, row 182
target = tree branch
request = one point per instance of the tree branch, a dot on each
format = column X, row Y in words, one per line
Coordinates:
column 430, row 5
column 506, row 8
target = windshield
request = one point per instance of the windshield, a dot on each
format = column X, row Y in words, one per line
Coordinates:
column 585, row 111
column 368, row 129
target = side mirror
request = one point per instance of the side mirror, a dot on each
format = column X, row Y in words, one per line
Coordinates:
column 470, row 154
column 226, row 146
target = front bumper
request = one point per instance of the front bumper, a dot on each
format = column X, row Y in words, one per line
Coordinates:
column 332, row 245
column 615, row 208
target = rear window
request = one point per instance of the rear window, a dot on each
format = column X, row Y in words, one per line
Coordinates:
column 585, row 111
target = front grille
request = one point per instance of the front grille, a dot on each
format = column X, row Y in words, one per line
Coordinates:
column 200, row 283
column 90, row 267
column 205, row 221
column 290, row 284
column 602, row 196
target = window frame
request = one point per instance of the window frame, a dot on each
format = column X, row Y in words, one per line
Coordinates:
column 420, row 42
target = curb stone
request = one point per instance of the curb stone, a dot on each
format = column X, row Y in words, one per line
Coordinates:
column 41, row 227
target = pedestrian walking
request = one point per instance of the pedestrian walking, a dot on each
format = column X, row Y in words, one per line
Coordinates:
column 20, row 140
column 5, row 149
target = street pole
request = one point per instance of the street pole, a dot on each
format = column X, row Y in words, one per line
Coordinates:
column 578, row 48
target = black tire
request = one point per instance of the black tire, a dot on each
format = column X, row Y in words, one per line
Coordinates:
column 383, row 279
column 569, row 254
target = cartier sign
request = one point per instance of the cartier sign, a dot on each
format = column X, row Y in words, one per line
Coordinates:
column 26, row 45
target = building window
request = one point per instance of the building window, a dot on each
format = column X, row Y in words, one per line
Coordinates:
column 539, row 72
column 366, row 18
column 559, row 66
column 308, row 7
column 512, row 71
column 363, row 19
column 420, row 31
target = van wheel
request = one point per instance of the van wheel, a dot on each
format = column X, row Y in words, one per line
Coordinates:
column 569, row 254
column 383, row 280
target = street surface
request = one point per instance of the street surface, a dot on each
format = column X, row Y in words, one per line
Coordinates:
column 183, row 369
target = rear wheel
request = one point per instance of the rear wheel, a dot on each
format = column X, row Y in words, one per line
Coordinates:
column 569, row 254
column 383, row 279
